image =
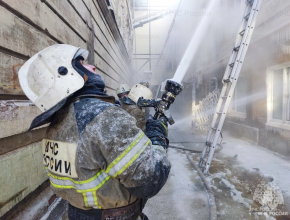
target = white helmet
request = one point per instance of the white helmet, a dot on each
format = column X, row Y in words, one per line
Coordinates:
column 49, row 76
column 138, row 91
column 145, row 83
column 122, row 89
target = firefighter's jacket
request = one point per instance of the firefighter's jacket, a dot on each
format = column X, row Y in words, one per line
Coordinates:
column 96, row 156
column 129, row 106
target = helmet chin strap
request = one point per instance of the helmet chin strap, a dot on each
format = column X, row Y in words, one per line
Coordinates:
column 86, row 78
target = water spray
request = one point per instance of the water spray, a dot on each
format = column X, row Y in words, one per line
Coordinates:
column 173, row 87
column 192, row 48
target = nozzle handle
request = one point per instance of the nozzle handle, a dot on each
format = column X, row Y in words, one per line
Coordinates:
column 166, row 114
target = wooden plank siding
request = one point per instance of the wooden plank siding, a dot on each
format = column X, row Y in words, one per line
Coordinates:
column 70, row 22
column 113, row 26
column 107, row 47
column 97, row 15
column 27, row 27
column 9, row 65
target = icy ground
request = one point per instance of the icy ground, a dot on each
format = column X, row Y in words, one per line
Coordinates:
column 236, row 171
column 183, row 197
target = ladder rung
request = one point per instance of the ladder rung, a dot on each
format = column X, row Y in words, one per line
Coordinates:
column 232, row 64
column 204, row 161
column 226, row 80
column 213, row 128
column 242, row 32
column 247, row 17
column 237, row 48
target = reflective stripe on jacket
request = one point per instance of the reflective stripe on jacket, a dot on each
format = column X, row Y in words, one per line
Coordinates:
column 115, row 162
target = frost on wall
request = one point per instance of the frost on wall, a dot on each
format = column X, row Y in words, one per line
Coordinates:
column 16, row 116
column 122, row 13
column 7, row 110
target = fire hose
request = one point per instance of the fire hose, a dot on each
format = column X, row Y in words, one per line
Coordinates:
column 210, row 194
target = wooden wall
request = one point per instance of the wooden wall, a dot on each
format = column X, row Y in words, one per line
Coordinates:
column 28, row 26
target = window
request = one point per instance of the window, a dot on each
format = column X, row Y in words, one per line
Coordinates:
column 141, row 3
column 278, row 90
column 239, row 100
column 288, row 96
column 278, row 94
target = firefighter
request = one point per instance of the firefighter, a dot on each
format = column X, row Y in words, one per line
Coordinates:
column 129, row 99
column 145, row 83
column 146, row 110
column 95, row 156
column 123, row 90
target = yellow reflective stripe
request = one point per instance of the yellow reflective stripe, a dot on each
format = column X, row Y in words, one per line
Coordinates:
column 93, row 190
column 97, row 187
column 96, row 199
column 133, row 159
column 85, row 199
column 61, row 186
column 164, row 127
column 79, row 190
column 75, row 181
column 101, row 184
column 123, row 154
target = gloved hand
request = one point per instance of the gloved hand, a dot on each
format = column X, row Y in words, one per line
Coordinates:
column 118, row 103
column 157, row 131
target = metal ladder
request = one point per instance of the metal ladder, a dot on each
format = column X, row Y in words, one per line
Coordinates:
column 214, row 137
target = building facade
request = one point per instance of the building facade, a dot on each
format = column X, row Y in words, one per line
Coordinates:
column 102, row 27
column 260, row 109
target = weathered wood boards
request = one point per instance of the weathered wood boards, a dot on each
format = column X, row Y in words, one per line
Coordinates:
column 26, row 27
column 29, row 26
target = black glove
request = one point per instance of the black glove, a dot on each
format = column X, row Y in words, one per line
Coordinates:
column 157, row 131
column 118, row 103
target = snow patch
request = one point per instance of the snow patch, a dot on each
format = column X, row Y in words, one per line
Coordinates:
column 237, row 195
column 267, row 162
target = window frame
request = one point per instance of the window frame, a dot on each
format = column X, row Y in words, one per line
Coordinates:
column 233, row 113
column 283, row 124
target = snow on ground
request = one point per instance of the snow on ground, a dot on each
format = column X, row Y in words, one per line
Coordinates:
column 269, row 164
column 182, row 197
column 237, row 170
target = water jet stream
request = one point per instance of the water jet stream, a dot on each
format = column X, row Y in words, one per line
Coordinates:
column 194, row 43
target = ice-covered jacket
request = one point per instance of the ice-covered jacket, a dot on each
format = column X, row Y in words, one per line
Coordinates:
column 96, row 156
column 129, row 106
